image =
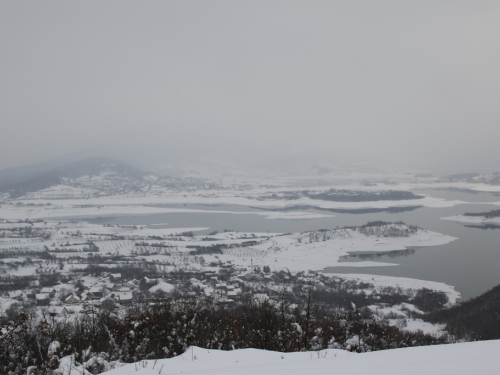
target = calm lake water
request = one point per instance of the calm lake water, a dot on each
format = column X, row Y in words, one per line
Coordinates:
column 470, row 263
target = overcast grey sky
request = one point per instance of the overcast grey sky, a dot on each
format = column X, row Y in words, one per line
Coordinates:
column 412, row 81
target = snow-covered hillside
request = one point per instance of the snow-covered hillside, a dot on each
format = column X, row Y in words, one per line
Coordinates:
column 466, row 358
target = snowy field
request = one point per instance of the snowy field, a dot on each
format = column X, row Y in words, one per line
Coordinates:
column 170, row 249
column 380, row 282
column 296, row 252
column 457, row 359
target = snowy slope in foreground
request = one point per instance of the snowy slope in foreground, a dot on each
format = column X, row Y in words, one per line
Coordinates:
column 468, row 358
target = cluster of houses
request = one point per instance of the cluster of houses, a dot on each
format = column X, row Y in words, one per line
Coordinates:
column 81, row 296
column 222, row 292
column 109, row 292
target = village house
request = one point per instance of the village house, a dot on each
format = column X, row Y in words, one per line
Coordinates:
column 86, row 297
column 74, row 309
column 58, row 311
column 108, row 303
column 72, row 299
column 125, row 298
column 95, row 292
column 132, row 284
column 319, row 286
column 16, row 294
column 49, row 290
column 234, row 294
column 42, row 299
column 31, row 295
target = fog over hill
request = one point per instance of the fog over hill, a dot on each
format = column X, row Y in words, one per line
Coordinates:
column 257, row 81
column 21, row 180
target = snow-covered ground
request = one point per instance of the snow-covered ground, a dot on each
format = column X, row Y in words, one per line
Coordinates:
column 166, row 287
column 298, row 253
column 380, row 281
column 170, row 249
column 465, row 358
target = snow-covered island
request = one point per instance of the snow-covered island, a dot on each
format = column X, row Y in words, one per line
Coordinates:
column 480, row 218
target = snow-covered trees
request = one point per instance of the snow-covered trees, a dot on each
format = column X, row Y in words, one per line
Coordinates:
column 95, row 341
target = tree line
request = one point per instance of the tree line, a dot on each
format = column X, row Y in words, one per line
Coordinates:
column 168, row 329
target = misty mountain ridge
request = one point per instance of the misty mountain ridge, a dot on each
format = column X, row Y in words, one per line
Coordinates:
column 12, row 175
column 93, row 173
column 100, row 176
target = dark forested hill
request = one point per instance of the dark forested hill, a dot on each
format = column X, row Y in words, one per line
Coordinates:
column 478, row 318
